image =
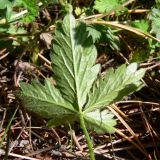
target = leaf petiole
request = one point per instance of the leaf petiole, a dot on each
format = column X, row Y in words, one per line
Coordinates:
column 88, row 139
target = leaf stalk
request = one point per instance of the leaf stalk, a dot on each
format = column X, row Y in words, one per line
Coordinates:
column 89, row 141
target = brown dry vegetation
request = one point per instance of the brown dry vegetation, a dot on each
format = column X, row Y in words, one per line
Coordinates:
column 23, row 135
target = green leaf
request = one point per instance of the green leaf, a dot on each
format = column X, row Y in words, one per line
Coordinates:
column 32, row 8
column 114, row 86
column 143, row 25
column 154, row 17
column 9, row 12
column 6, row 10
column 44, row 100
column 112, row 39
column 4, row 4
column 94, row 33
column 100, row 121
column 140, row 54
column 105, row 5
column 77, row 96
column 73, row 60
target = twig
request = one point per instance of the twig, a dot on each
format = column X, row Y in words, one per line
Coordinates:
column 151, row 67
column 128, row 128
column 44, row 59
column 131, row 141
column 76, row 141
column 125, row 27
column 3, row 118
column 41, row 150
column 4, row 56
column 132, row 101
column 148, row 126
column 56, row 134
column 2, row 152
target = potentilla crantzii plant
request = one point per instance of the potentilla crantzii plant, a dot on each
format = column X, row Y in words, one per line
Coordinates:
column 80, row 93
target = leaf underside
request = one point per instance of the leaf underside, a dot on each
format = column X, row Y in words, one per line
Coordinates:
column 77, row 92
column 44, row 100
column 114, row 86
column 73, row 60
column 100, row 121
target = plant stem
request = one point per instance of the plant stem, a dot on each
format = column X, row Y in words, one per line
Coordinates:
column 88, row 139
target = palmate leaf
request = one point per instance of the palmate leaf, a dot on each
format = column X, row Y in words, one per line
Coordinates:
column 73, row 64
column 114, row 86
column 106, row 5
column 94, row 33
column 32, row 7
column 77, row 96
column 73, row 60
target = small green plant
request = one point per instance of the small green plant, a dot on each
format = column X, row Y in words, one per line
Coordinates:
column 80, row 94
column 104, row 6
column 154, row 17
